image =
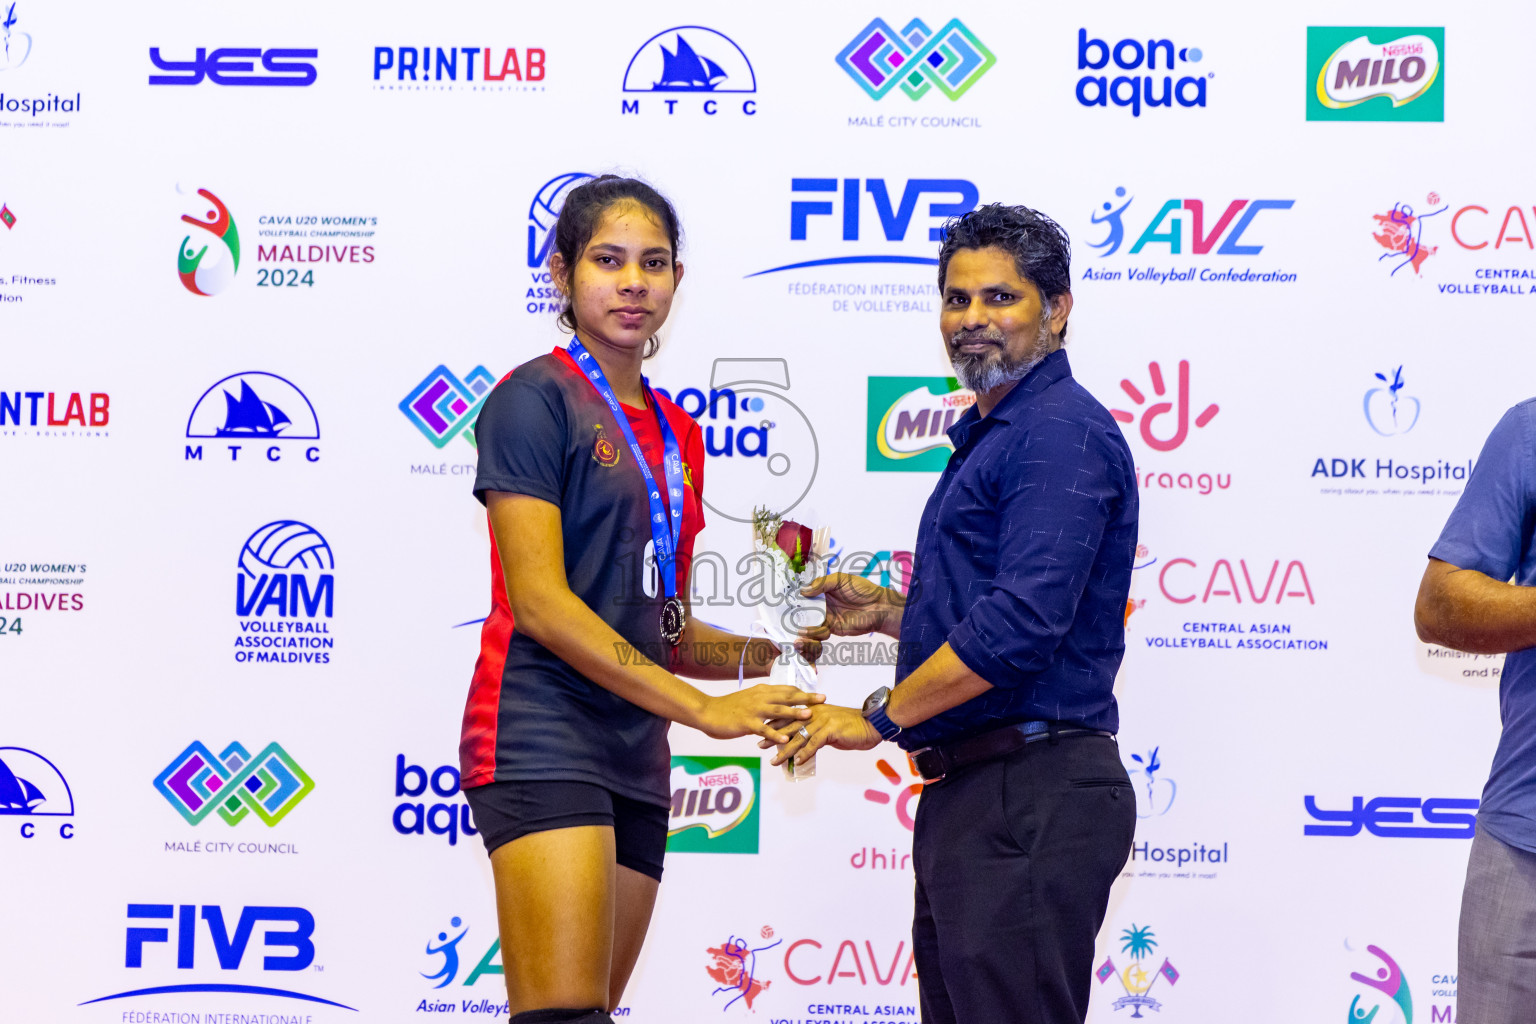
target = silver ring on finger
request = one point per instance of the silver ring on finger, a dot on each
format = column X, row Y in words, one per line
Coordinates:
column 804, row 733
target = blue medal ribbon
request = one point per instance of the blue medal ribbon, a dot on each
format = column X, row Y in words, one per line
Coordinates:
column 666, row 539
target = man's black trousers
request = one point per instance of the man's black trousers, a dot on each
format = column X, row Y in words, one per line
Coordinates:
column 1014, row 859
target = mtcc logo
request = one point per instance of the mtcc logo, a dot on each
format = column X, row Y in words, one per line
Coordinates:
column 17, row 46
column 1179, row 406
column 1138, row 944
column 31, row 786
column 1168, row 226
column 762, row 448
column 1133, row 90
column 1154, row 793
column 951, row 60
column 1387, row 410
column 691, row 59
column 210, row 257
column 253, row 406
column 442, row 406
column 234, row 783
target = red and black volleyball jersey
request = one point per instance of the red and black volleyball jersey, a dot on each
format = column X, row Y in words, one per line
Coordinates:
column 544, row 431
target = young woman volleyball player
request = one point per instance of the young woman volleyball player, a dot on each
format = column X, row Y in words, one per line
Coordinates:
column 589, row 477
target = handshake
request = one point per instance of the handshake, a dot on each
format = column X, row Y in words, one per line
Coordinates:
column 855, row 606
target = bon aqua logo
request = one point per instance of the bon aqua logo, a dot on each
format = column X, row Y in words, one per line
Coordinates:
column 208, row 259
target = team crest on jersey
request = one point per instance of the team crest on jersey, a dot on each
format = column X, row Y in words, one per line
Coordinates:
column 603, row 451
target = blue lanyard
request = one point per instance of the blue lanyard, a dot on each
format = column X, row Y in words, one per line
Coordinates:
column 666, row 541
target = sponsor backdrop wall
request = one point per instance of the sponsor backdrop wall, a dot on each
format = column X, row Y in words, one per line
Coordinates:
column 260, row 266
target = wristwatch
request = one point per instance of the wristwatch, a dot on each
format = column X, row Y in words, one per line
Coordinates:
column 874, row 713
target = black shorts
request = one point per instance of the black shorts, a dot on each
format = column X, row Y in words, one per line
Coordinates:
column 505, row 811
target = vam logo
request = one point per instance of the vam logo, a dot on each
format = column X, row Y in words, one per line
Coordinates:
column 285, row 568
column 236, row 65
column 443, row 407
column 691, row 60
column 1133, row 89
column 234, row 783
column 1375, row 74
column 908, row 421
column 254, row 407
column 31, row 786
column 714, row 805
column 543, row 213
column 207, row 262
column 950, row 60
column 1138, row 943
column 17, row 45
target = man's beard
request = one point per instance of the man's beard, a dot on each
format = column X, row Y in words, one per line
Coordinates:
column 985, row 371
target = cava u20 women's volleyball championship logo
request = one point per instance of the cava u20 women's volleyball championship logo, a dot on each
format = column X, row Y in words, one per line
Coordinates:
column 207, row 265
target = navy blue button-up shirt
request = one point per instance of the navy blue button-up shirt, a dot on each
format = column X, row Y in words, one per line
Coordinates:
column 1023, row 560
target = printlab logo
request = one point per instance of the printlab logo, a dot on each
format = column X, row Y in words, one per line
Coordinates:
column 1138, row 943
column 286, row 568
column 269, row 785
column 950, row 60
column 293, row 929
column 1387, row 409
column 1386, row 980
column 17, row 45
column 688, row 61
column 906, row 792
column 53, row 413
column 768, row 456
column 1179, row 406
column 1394, row 817
column 31, row 786
column 1178, row 221
column 517, row 68
column 207, row 264
column 442, row 406
column 1131, row 89
column 441, row 818
column 543, row 213
column 1352, row 77
column 1154, row 792
column 236, row 65
column 256, row 407
column 908, row 422
column 714, row 805
column 734, row 970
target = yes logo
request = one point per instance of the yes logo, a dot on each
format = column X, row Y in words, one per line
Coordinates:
column 1180, row 407
column 207, row 264
column 714, row 805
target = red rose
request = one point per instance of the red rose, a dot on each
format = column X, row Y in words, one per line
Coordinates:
column 795, row 541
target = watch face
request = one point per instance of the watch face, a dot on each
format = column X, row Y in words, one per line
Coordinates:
column 875, row 699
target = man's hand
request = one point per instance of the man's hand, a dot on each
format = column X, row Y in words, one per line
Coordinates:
column 855, row 606
column 761, row 710
column 830, row 725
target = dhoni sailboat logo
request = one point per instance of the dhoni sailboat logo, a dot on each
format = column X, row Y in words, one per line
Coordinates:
column 254, row 405
column 690, row 59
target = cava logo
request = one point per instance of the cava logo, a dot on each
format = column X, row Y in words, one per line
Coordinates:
column 908, row 422
column 235, row 784
column 209, row 257
column 714, row 805
column 1375, row 74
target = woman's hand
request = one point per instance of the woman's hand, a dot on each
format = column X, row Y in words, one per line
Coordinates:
column 830, row 725
column 754, row 711
column 855, row 606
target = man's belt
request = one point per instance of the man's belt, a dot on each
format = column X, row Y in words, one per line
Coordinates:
column 937, row 761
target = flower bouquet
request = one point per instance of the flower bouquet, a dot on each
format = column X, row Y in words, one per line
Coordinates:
column 791, row 555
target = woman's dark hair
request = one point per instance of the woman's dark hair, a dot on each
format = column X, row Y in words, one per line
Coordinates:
column 1039, row 246
column 582, row 211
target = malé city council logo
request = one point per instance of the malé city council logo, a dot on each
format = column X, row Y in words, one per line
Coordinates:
column 1375, row 74
column 919, row 60
column 234, row 783
column 208, row 262
column 442, row 406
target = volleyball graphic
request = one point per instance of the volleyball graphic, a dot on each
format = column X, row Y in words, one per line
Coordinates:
column 284, row 545
column 545, row 211
column 207, row 262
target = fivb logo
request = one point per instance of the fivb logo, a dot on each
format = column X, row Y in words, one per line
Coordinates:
column 207, row 265
column 442, row 406
column 270, row 785
column 951, row 60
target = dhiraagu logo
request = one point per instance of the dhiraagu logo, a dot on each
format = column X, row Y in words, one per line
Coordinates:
column 714, row 805
column 908, row 422
column 1375, row 74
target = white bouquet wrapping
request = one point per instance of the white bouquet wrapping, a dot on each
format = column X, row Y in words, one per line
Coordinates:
column 790, row 556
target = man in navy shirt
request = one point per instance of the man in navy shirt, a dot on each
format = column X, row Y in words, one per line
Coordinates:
column 1011, row 634
column 1479, row 595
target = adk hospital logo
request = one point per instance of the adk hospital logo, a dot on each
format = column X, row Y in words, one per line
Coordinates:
column 285, row 595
